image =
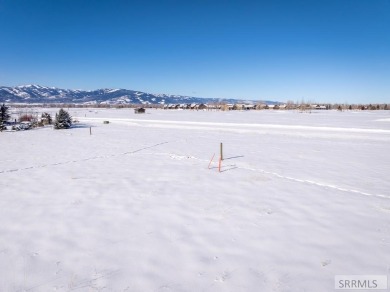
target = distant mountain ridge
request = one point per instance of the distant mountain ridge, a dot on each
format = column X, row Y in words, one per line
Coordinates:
column 43, row 94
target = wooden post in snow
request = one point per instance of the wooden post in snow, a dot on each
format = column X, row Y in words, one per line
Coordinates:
column 90, row 130
column 221, row 151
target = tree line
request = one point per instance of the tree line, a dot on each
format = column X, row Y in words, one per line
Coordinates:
column 62, row 120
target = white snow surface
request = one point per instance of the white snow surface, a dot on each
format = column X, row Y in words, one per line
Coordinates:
column 134, row 207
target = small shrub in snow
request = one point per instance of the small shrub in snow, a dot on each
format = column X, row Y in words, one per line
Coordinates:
column 63, row 120
column 46, row 119
column 26, row 118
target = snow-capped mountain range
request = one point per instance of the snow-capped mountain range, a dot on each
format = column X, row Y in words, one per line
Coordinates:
column 42, row 94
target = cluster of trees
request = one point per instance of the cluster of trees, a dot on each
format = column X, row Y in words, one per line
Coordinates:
column 370, row 107
column 62, row 119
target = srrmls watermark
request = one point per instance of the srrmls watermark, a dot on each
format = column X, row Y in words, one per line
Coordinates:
column 360, row 282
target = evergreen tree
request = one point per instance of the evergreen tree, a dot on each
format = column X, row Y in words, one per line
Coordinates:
column 4, row 116
column 63, row 120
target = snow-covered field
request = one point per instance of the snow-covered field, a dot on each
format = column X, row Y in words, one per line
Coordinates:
column 134, row 207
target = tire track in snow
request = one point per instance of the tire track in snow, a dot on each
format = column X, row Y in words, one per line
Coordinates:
column 211, row 125
column 80, row 160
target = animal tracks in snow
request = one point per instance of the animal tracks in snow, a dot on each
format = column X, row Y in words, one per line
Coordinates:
column 315, row 183
column 80, row 160
column 181, row 157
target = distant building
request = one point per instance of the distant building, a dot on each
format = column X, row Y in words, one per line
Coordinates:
column 249, row 106
column 238, row 106
column 201, row 106
column 139, row 110
column 318, row 107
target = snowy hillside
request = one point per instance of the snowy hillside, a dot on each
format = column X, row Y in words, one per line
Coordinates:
column 134, row 207
column 42, row 94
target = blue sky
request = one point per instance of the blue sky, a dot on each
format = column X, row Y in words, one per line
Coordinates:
column 320, row 51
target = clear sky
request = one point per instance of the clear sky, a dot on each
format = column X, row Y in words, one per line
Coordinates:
column 312, row 50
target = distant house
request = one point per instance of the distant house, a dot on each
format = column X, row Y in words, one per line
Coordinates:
column 249, row 106
column 170, row 106
column 139, row 110
column 238, row 106
column 201, row 106
column 213, row 106
column 229, row 106
column 318, row 107
column 224, row 107
column 291, row 106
